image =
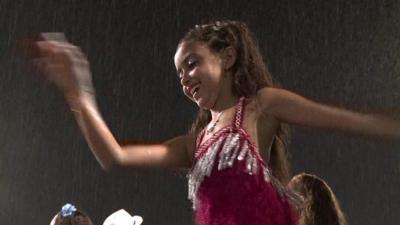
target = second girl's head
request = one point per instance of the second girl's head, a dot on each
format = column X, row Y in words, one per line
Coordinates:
column 320, row 204
column 69, row 215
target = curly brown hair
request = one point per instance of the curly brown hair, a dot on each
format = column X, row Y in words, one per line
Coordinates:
column 321, row 206
column 78, row 218
column 250, row 74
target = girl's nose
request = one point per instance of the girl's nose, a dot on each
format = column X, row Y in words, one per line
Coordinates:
column 185, row 79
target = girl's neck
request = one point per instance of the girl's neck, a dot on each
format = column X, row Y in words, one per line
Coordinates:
column 224, row 105
column 226, row 99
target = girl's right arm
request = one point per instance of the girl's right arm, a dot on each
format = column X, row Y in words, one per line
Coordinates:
column 67, row 67
column 174, row 153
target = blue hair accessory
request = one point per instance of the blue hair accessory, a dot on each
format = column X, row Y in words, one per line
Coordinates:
column 67, row 210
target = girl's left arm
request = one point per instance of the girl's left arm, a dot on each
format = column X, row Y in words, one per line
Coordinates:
column 291, row 108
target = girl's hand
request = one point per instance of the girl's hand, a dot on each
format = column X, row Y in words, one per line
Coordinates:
column 66, row 66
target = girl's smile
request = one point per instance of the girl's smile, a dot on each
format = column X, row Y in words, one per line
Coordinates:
column 202, row 76
column 199, row 71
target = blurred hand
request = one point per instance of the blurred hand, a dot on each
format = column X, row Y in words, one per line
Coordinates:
column 65, row 65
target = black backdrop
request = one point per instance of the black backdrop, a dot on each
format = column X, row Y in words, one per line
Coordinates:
column 344, row 53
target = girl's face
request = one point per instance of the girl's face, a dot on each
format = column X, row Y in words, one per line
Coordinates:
column 200, row 73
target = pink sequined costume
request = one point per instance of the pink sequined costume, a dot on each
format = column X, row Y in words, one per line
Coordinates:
column 230, row 183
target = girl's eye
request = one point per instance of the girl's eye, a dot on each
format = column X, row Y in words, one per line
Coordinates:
column 191, row 63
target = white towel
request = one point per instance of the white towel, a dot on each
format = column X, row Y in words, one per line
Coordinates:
column 122, row 217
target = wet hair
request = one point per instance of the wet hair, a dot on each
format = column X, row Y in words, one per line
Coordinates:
column 78, row 218
column 250, row 74
column 321, row 206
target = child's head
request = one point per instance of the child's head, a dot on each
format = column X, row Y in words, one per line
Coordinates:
column 69, row 215
column 244, row 69
column 320, row 204
column 248, row 68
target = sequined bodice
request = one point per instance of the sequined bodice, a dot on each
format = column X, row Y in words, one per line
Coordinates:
column 230, row 184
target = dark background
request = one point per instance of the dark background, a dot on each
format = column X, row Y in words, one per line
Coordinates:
column 343, row 53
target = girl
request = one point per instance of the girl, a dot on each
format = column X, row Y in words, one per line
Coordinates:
column 237, row 138
column 69, row 215
column 320, row 204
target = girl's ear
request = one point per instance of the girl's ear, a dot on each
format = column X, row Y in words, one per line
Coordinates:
column 228, row 58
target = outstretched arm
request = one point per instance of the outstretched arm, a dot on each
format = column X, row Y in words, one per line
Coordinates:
column 294, row 109
column 175, row 153
column 67, row 67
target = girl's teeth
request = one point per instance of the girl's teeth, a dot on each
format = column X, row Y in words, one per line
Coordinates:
column 195, row 90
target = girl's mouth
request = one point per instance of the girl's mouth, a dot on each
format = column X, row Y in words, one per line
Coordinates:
column 194, row 89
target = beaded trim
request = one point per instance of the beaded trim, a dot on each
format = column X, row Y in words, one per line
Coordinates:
column 232, row 150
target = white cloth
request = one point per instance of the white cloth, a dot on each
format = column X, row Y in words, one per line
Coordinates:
column 122, row 217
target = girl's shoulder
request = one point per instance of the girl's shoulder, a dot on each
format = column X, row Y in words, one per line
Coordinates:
column 268, row 93
column 268, row 97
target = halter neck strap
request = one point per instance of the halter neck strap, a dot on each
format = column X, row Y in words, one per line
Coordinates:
column 239, row 113
column 236, row 122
